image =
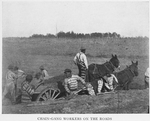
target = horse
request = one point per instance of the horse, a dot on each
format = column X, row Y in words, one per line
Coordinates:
column 125, row 77
column 97, row 71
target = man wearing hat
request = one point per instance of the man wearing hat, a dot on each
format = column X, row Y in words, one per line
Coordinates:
column 11, row 78
column 71, row 82
column 44, row 73
column 81, row 61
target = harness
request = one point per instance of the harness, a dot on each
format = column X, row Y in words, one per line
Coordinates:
column 79, row 60
column 111, row 66
column 132, row 72
column 128, row 76
column 95, row 67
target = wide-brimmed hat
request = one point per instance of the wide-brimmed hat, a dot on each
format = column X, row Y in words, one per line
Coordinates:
column 29, row 77
column 41, row 67
column 16, row 68
column 67, row 70
column 82, row 48
column 11, row 67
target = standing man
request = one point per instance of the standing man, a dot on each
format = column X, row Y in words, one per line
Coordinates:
column 11, row 80
column 81, row 61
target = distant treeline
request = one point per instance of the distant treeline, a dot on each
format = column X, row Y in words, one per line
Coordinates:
column 77, row 35
column 73, row 35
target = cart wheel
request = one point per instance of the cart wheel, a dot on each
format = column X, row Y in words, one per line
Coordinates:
column 47, row 94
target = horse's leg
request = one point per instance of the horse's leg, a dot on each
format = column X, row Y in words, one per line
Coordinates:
column 128, row 85
column 125, row 87
column 79, row 68
column 87, row 76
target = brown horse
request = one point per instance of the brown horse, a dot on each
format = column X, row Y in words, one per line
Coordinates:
column 125, row 77
column 97, row 71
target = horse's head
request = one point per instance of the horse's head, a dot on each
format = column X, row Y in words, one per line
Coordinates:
column 134, row 68
column 115, row 61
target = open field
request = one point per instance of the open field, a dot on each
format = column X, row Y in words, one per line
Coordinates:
column 57, row 54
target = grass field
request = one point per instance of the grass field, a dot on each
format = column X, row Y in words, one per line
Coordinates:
column 57, row 54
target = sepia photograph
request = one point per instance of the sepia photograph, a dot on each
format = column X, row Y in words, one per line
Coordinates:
column 75, row 57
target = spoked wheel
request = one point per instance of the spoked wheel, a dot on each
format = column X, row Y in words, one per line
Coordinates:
column 47, row 94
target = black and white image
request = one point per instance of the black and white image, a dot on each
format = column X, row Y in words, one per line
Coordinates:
column 75, row 57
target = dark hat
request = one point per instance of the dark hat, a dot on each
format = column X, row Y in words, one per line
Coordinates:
column 67, row 70
column 42, row 67
column 82, row 48
column 29, row 78
column 38, row 75
column 16, row 68
column 10, row 67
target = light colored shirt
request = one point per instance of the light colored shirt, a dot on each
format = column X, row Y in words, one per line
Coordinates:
column 10, row 77
column 147, row 72
column 21, row 74
column 45, row 74
column 81, row 57
column 71, row 84
column 111, row 78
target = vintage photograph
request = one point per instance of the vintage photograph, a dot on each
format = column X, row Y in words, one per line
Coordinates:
column 75, row 57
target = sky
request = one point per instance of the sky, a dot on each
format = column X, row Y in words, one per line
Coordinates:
column 23, row 19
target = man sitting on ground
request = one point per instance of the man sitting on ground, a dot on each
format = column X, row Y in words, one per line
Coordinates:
column 110, row 78
column 105, row 84
column 27, row 89
column 71, row 82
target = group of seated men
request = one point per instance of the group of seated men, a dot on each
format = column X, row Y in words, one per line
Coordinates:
column 93, row 88
column 12, row 91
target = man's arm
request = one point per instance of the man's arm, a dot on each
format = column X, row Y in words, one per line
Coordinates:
column 75, row 59
column 66, row 86
column 81, row 80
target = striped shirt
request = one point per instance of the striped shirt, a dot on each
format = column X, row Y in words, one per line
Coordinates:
column 81, row 57
column 90, row 89
column 21, row 74
column 27, row 91
column 71, row 84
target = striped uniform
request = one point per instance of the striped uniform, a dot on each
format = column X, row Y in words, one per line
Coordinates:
column 100, row 85
column 97, row 85
column 27, row 91
column 71, row 84
column 90, row 89
column 81, row 61
column 10, row 84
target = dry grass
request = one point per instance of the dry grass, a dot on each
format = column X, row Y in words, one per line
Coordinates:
column 133, row 101
column 57, row 54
